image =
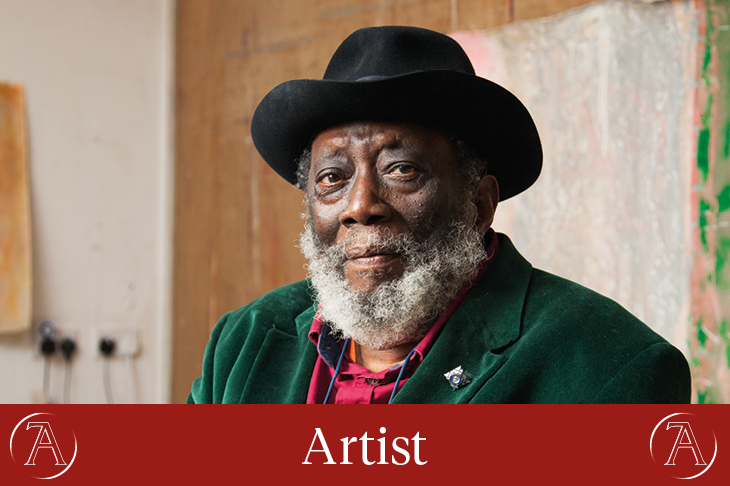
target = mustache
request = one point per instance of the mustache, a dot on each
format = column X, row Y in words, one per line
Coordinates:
column 370, row 241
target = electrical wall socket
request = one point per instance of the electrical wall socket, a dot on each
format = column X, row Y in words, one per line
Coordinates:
column 59, row 333
column 126, row 343
column 43, row 329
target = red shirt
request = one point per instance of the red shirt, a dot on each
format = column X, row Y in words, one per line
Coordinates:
column 357, row 384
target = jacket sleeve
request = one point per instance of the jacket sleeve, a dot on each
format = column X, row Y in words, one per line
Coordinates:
column 202, row 389
column 659, row 374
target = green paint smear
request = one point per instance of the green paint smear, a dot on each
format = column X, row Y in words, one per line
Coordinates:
column 695, row 362
column 708, row 46
column 722, row 255
column 703, row 143
column 707, row 115
column 703, row 153
column 726, row 145
column 723, row 199
column 702, row 221
column 701, row 397
column 727, row 355
column 701, row 334
column 704, row 208
column 723, row 332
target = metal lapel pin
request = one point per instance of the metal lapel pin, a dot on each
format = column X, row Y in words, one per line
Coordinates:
column 457, row 378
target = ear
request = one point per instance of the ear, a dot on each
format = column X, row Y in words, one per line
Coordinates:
column 486, row 201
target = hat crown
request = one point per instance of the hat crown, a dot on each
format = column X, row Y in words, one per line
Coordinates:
column 381, row 52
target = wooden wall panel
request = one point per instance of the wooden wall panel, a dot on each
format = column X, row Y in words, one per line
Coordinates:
column 532, row 9
column 236, row 222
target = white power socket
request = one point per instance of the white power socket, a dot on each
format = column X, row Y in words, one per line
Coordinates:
column 126, row 343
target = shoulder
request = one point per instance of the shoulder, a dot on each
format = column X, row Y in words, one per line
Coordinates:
column 278, row 308
column 238, row 336
column 564, row 343
column 602, row 347
column 559, row 306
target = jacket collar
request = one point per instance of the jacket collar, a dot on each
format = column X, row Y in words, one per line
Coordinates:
column 487, row 321
column 494, row 305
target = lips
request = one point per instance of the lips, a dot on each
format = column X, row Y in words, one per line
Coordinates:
column 363, row 252
column 369, row 258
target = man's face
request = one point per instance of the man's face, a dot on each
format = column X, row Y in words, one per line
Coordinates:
column 391, row 178
column 394, row 229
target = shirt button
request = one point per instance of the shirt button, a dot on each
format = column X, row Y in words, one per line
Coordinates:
column 372, row 381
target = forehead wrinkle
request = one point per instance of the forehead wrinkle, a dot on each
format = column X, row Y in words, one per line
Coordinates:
column 333, row 146
column 366, row 134
column 379, row 138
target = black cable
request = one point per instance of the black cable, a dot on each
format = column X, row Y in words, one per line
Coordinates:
column 48, row 347
column 67, row 383
column 68, row 347
column 47, row 378
column 107, row 382
column 106, row 347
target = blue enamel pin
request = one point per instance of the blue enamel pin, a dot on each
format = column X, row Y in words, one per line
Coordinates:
column 457, row 378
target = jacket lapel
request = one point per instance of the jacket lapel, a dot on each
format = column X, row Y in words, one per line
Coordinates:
column 283, row 367
column 488, row 320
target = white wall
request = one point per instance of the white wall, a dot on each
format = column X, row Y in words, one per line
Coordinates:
column 98, row 81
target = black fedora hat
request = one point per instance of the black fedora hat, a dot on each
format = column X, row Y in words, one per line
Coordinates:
column 409, row 74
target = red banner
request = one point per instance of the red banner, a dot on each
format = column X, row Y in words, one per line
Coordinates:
column 398, row 444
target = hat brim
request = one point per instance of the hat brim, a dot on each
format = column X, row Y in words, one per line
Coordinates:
column 487, row 117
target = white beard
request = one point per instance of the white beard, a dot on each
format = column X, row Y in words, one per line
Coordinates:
column 401, row 310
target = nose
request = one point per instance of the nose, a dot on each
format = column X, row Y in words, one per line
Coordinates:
column 365, row 204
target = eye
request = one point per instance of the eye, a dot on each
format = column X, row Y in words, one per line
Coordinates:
column 329, row 178
column 404, row 170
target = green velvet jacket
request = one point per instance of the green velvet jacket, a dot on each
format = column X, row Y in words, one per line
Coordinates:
column 522, row 335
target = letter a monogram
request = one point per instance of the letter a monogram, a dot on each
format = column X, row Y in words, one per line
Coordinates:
column 44, row 440
column 685, row 440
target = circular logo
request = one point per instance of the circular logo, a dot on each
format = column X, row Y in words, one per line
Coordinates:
column 43, row 445
column 683, row 445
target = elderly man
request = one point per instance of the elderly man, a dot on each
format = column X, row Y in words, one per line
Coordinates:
column 403, row 154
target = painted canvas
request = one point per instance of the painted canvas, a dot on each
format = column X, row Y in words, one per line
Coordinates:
column 622, row 94
column 15, row 249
